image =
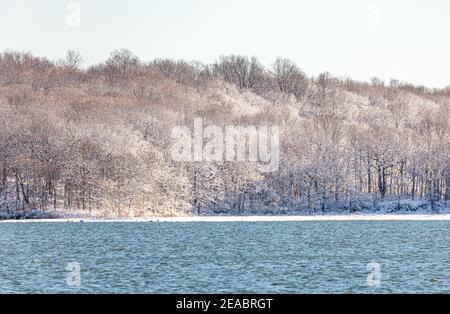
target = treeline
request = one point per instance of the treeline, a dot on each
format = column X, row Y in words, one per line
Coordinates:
column 97, row 139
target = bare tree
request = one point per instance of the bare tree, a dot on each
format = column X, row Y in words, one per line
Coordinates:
column 289, row 78
column 73, row 60
column 242, row 71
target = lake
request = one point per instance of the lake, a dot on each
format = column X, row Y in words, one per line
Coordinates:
column 226, row 257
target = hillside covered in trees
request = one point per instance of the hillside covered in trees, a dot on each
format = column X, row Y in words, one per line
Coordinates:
column 97, row 140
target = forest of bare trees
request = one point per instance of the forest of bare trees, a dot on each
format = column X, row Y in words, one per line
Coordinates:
column 96, row 139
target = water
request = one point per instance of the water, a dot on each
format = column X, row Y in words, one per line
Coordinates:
column 208, row 257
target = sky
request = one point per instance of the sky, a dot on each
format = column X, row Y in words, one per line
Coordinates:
column 406, row 40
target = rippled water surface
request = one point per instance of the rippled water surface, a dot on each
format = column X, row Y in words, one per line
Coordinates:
column 289, row 257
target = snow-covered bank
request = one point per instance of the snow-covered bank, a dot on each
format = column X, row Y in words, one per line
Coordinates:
column 386, row 210
column 352, row 217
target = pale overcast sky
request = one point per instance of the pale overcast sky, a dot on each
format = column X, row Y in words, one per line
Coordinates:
column 408, row 40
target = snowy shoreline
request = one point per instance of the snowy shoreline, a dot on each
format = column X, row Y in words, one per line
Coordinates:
column 344, row 217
